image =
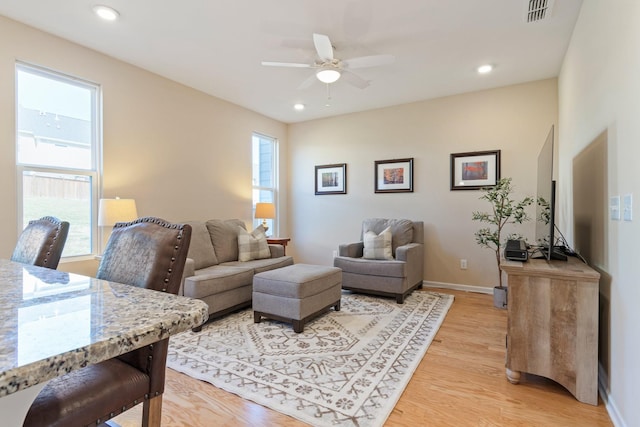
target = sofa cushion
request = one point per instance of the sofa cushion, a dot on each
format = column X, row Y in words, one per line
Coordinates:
column 260, row 265
column 201, row 249
column 401, row 230
column 377, row 246
column 252, row 245
column 216, row 280
column 224, row 236
column 361, row 266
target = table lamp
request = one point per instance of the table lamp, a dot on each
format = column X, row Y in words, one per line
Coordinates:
column 115, row 210
column 265, row 211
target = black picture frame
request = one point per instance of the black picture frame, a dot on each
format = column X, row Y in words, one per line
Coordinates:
column 475, row 170
column 331, row 179
column 394, row 176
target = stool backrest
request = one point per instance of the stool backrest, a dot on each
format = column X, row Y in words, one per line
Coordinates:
column 41, row 242
column 148, row 252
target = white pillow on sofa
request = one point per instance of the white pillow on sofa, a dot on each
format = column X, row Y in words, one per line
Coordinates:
column 252, row 245
column 377, row 246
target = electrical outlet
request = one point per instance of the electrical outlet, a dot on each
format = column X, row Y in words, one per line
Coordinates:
column 463, row 264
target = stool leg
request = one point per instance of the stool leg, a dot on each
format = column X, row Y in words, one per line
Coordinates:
column 337, row 306
column 256, row 317
column 298, row 326
column 152, row 411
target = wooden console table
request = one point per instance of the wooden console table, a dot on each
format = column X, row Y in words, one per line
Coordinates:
column 552, row 327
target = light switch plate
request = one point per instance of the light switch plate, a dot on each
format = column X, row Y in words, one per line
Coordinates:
column 614, row 208
column 627, row 207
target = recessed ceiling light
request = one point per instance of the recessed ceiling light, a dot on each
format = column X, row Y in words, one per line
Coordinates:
column 105, row 12
column 484, row 69
column 298, row 107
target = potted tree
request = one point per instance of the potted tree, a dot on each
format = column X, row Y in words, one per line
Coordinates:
column 504, row 210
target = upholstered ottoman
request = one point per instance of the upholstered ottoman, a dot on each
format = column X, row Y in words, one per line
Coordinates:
column 296, row 293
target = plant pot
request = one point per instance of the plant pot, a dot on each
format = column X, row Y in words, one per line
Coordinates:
column 500, row 297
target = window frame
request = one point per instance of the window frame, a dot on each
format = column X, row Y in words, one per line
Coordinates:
column 273, row 189
column 94, row 173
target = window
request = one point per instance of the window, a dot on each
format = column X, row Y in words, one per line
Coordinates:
column 57, row 153
column 265, row 185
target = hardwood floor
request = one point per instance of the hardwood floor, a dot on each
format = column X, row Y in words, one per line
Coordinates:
column 460, row 382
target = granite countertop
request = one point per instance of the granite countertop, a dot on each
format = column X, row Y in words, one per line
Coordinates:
column 52, row 322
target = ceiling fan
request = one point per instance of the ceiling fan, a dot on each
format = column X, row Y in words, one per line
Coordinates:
column 330, row 69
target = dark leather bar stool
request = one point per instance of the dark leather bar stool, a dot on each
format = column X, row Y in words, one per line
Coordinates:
column 149, row 253
column 41, row 242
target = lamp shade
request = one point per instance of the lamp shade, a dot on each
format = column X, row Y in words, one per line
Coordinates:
column 115, row 210
column 265, row 210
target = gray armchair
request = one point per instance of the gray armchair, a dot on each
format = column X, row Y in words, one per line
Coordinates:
column 396, row 277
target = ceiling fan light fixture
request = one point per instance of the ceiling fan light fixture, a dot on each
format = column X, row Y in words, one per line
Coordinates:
column 328, row 75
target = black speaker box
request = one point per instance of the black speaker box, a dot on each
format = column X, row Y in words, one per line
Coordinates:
column 516, row 250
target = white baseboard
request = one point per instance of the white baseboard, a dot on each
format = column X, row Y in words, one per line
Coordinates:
column 458, row 287
column 609, row 403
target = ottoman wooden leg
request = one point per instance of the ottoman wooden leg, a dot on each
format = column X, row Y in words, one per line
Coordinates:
column 337, row 306
column 256, row 317
column 298, row 326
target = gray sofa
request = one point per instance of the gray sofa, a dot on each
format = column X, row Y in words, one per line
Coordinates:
column 213, row 272
column 397, row 274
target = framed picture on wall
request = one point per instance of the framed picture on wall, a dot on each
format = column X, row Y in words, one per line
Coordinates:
column 331, row 179
column 475, row 170
column 394, row 176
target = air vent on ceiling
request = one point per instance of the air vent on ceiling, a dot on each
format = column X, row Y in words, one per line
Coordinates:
column 538, row 10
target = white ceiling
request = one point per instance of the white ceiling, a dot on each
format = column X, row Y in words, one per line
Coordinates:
column 217, row 46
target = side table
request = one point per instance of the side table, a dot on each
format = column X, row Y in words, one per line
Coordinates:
column 279, row 241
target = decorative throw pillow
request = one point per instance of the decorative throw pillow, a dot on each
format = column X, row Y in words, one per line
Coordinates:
column 252, row 245
column 401, row 230
column 201, row 249
column 224, row 236
column 377, row 246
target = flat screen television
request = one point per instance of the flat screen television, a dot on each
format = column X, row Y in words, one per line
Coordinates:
column 546, row 206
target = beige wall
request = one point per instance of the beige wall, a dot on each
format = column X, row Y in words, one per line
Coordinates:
column 599, row 108
column 186, row 155
column 513, row 119
column 180, row 153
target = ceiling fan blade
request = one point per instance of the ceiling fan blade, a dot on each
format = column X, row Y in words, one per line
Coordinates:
column 368, row 61
column 323, row 46
column 286, row 64
column 308, row 82
column 354, row 80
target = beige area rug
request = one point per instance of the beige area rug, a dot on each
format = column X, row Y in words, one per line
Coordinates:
column 347, row 368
